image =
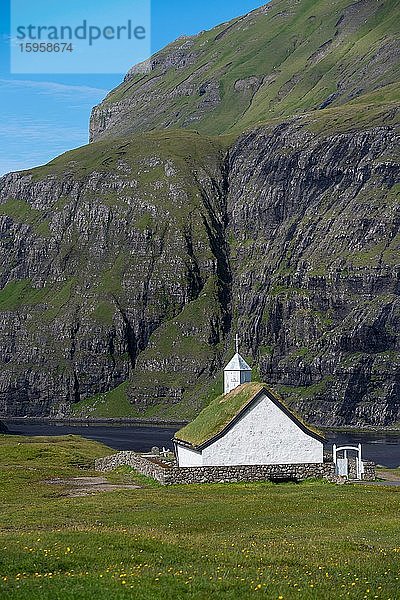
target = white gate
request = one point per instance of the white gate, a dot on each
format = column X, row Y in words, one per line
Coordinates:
column 342, row 462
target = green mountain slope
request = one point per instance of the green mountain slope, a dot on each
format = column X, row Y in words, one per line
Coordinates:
column 285, row 58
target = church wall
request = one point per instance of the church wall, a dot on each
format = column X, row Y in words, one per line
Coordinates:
column 231, row 380
column 245, row 377
column 264, row 435
column 188, row 458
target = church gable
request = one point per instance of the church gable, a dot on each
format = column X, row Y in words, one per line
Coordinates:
column 221, row 415
column 263, row 433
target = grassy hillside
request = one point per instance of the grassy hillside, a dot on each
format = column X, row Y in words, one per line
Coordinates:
column 283, row 59
column 111, row 404
column 129, row 234
column 310, row 540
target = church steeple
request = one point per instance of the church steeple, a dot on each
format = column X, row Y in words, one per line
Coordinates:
column 237, row 371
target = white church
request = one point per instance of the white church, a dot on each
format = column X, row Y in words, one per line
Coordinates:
column 248, row 425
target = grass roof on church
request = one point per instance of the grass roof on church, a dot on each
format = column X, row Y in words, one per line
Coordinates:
column 215, row 417
column 218, row 414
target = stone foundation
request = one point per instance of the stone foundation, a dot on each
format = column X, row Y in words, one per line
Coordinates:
column 172, row 475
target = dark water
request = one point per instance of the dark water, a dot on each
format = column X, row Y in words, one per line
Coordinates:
column 119, row 437
column 382, row 448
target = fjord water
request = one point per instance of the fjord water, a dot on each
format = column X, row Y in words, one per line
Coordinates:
column 382, row 448
column 119, row 437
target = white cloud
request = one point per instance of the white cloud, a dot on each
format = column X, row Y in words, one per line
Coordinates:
column 40, row 131
column 11, row 165
column 30, row 147
column 58, row 90
column 41, row 120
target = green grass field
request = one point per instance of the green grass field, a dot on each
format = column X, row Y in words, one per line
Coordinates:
column 307, row 541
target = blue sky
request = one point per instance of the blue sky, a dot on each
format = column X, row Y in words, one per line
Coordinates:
column 45, row 115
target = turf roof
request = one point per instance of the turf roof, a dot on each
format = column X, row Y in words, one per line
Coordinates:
column 215, row 417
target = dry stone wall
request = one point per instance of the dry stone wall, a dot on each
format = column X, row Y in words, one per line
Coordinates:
column 172, row 475
column 142, row 465
column 369, row 471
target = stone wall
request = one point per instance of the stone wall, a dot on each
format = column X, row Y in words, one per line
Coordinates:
column 171, row 475
column 142, row 465
column 369, row 471
column 235, row 474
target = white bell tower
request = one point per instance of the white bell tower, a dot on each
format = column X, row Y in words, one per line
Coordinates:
column 237, row 371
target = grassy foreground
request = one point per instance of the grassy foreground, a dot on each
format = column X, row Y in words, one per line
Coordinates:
column 311, row 540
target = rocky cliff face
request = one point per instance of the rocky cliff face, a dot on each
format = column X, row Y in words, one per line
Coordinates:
column 141, row 266
column 98, row 250
column 132, row 262
column 314, row 224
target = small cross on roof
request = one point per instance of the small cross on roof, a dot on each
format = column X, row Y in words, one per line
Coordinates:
column 237, row 343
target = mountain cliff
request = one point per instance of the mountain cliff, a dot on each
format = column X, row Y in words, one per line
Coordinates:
column 246, row 179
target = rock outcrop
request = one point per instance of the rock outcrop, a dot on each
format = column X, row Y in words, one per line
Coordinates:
column 101, row 249
column 315, row 223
